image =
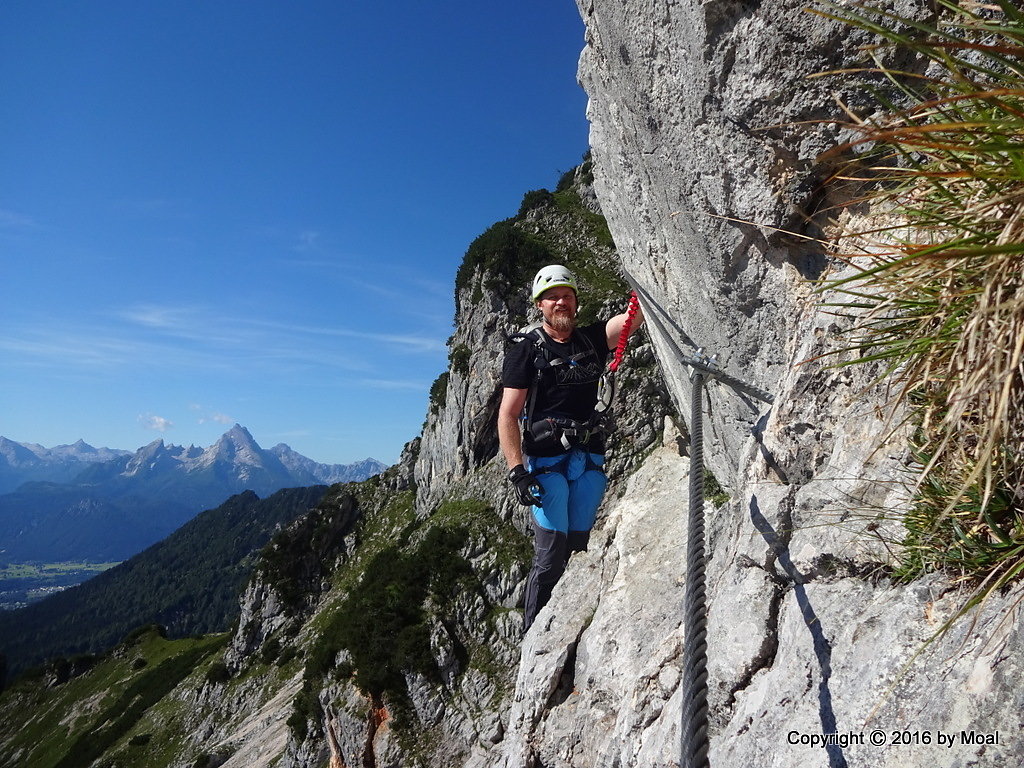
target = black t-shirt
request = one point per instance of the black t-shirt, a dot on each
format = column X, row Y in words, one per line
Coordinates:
column 566, row 391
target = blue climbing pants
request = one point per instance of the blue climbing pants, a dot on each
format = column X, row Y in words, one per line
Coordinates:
column 573, row 485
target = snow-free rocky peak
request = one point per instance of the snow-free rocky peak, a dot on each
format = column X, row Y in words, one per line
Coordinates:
column 235, row 446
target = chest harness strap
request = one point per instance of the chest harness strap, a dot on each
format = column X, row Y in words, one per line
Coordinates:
column 568, row 432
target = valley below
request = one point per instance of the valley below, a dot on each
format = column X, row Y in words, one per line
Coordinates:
column 22, row 584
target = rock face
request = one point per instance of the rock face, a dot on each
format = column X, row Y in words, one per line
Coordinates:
column 598, row 682
column 806, row 635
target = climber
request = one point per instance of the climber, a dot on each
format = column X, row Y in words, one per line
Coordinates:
column 550, row 380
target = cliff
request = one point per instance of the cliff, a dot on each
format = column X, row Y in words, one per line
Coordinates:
column 704, row 135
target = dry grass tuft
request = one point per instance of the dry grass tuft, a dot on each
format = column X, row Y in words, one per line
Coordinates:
column 939, row 293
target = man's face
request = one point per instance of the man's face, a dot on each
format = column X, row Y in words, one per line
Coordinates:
column 558, row 305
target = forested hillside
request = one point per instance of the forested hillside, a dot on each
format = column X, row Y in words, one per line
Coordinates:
column 190, row 583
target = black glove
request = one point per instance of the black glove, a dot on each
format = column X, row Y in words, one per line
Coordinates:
column 526, row 485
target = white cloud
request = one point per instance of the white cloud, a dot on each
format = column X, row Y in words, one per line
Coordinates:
column 205, row 414
column 156, row 423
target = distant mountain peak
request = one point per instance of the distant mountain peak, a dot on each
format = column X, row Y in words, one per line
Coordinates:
column 239, row 432
column 327, row 473
column 237, row 446
column 16, row 454
column 147, row 458
column 236, row 461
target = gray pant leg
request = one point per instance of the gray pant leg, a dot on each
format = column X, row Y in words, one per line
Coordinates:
column 549, row 556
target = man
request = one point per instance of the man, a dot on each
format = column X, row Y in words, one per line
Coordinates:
column 557, row 467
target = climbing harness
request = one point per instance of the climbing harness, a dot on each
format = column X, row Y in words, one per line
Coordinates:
column 564, row 431
column 570, row 433
column 694, row 722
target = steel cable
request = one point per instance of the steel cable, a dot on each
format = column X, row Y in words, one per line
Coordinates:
column 694, row 726
column 694, row 711
column 656, row 315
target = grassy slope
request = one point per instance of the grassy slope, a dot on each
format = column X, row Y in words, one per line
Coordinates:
column 70, row 724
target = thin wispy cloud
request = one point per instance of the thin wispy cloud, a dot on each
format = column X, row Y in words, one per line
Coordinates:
column 416, row 342
column 69, row 349
column 205, row 415
column 388, row 278
column 403, row 384
column 154, row 337
column 161, row 316
column 155, row 423
column 15, row 220
column 102, row 349
column 438, row 288
column 411, row 295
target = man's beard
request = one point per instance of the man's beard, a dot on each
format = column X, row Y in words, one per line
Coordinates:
column 563, row 322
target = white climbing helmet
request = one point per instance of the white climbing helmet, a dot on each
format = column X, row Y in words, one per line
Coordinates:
column 553, row 276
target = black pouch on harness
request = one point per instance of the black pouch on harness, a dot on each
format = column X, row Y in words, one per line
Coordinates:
column 559, row 433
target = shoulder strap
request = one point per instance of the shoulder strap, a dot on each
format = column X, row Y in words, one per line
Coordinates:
column 553, row 357
column 536, row 338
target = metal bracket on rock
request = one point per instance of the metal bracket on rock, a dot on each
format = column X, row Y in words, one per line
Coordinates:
column 706, row 365
column 697, row 361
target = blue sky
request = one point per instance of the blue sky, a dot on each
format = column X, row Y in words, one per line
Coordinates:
column 220, row 212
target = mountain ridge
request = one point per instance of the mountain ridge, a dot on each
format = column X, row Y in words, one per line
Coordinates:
column 22, row 462
column 110, row 510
